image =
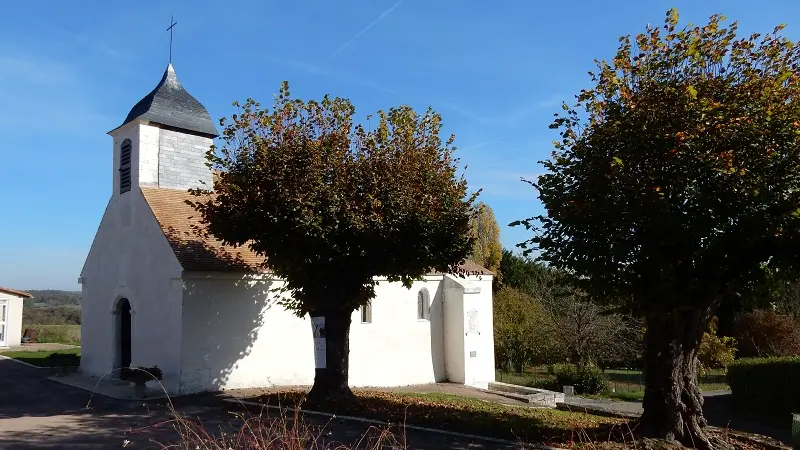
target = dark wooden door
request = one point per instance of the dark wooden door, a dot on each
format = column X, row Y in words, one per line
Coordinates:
column 125, row 333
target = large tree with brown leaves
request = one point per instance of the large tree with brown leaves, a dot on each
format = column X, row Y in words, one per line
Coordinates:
column 675, row 183
column 332, row 205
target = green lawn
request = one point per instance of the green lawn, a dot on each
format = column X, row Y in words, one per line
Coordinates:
column 57, row 334
column 627, row 385
column 48, row 358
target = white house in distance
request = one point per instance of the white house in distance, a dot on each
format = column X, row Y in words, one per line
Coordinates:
column 11, row 316
column 157, row 293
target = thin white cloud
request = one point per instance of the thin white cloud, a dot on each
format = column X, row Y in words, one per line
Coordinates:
column 97, row 45
column 18, row 69
column 512, row 116
column 42, row 90
column 363, row 30
column 343, row 77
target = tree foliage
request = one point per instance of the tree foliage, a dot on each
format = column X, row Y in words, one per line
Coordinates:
column 51, row 297
column 521, row 330
column 588, row 333
column 674, row 183
column 486, row 250
column 524, row 274
column 716, row 352
column 51, row 315
column 569, row 324
column 764, row 333
column 333, row 205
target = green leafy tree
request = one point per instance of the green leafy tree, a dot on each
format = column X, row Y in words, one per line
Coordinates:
column 577, row 327
column 333, row 205
column 674, row 183
column 524, row 274
column 487, row 250
column 521, row 330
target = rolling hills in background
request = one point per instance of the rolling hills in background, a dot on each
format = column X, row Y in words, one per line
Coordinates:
column 52, row 307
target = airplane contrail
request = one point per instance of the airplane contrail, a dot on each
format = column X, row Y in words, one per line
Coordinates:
column 363, row 30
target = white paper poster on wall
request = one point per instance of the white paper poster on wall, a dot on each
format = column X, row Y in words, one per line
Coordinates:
column 318, row 326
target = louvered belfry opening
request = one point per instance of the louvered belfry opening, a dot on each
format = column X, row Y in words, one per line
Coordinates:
column 125, row 166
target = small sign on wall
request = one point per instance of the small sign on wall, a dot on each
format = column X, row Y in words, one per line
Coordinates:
column 473, row 323
column 320, row 347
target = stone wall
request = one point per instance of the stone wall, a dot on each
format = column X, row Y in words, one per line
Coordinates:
column 181, row 160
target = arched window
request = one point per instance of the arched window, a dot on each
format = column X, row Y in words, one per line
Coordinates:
column 125, row 166
column 423, row 305
column 366, row 313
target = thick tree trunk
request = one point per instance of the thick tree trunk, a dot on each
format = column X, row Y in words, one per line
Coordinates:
column 331, row 386
column 673, row 403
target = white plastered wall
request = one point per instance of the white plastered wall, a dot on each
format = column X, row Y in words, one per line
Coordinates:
column 131, row 258
column 14, row 319
column 469, row 330
column 236, row 336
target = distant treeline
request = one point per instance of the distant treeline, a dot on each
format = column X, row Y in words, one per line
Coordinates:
column 51, row 315
column 52, row 307
column 54, row 298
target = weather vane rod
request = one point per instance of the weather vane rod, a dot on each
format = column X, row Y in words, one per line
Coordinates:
column 171, row 26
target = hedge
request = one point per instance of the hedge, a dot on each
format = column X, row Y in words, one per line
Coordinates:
column 767, row 384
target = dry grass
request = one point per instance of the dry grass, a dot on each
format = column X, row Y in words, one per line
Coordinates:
column 527, row 427
column 288, row 431
column 284, row 432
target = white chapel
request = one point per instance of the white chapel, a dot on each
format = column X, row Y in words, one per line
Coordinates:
column 158, row 293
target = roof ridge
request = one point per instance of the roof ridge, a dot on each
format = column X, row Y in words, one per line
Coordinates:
column 16, row 292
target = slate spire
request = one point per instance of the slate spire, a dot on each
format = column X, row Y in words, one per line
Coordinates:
column 171, row 105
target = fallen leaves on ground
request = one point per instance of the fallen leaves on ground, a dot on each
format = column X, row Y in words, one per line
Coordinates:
column 468, row 415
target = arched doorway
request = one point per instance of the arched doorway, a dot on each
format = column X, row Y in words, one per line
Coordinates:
column 124, row 341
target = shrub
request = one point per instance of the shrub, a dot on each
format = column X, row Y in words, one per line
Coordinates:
column 715, row 352
column 769, row 384
column 57, row 334
column 586, row 379
column 763, row 333
column 63, row 360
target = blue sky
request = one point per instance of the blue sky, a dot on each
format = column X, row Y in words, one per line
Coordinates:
column 496, row 71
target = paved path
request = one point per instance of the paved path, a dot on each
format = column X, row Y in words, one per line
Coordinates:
column 36, row 413
column 718, row 409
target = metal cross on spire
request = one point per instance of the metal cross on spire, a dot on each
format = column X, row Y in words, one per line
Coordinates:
column 171, row 26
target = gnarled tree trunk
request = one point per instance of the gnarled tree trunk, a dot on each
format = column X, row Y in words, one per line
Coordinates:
column 673, row 403
column 331, row 386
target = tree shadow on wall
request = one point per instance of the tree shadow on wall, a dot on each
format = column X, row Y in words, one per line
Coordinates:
column 228, row 302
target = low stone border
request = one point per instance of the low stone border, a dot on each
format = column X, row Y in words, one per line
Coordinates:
column 379, row 422
column 595, row 411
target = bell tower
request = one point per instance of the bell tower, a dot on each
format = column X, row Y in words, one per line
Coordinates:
column 163, row 140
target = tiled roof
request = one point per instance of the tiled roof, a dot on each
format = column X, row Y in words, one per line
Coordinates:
column 170, row 104
column 197, row 250
column 18, row 293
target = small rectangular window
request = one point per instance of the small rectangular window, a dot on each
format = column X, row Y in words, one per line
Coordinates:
column 366, row 313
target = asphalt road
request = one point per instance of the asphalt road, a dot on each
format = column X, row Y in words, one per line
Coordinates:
column 37, row 413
